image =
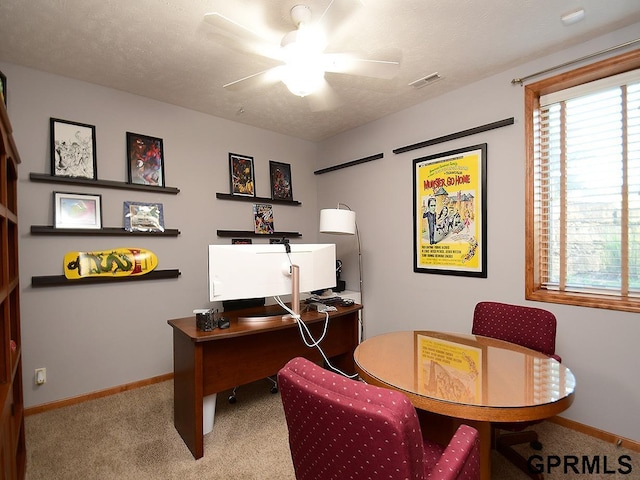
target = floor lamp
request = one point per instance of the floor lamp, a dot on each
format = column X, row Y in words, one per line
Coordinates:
column 336, row 221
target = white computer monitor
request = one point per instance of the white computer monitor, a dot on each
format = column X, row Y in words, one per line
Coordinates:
column 252, row 271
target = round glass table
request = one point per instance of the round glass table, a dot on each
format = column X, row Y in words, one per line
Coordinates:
column 468, row 378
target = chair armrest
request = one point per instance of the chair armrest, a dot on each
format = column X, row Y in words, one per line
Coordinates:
column 461, row 458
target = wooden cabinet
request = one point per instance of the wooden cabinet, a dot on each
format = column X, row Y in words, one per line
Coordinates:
column 12, row 441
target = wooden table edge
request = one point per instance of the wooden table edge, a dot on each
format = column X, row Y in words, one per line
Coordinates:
column 476, row 412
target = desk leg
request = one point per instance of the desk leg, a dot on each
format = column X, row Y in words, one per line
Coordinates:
column 188, row 392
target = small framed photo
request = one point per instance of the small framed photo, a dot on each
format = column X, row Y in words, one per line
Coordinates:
column 3, row 88
column 73, row 149
column 241, row 175
column 280, row 175
column 145, row 160
column 77, row 210
column 143, row 217
column 241, row 241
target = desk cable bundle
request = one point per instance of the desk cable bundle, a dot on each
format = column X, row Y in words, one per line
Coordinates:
column 305, row 333
column 307, row 337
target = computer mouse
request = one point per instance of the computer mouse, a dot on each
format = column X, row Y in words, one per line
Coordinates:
column 223, row 322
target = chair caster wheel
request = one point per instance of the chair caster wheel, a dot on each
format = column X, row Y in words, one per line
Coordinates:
column 232, row 399
column 536, row 445
column 274, row 389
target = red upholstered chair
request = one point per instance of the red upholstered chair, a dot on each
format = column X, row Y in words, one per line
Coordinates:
column 341, row 428
column 530, row 327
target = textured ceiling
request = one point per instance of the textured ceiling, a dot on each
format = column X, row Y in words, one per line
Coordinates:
column 163, row 49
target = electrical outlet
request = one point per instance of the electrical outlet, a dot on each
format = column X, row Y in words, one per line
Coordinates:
column 41, row 376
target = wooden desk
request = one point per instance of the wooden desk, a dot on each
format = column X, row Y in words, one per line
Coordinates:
column 466, row 379
column 205, row 363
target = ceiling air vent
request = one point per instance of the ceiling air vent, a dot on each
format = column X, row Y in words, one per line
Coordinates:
column 421, row 82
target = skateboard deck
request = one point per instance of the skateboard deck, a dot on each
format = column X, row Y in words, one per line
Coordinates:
column 118, row 262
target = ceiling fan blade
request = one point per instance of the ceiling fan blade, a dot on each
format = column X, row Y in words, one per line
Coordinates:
column 266, row 77
column 349, row 64
column 260, row 42
column 324, row 99
column 227, row 25
column 336, row 14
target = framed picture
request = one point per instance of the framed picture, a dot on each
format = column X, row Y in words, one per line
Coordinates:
column 3, row 88
column 241, row 175
column 280, row 175
column 77, row 210
column 145, row 160
column 263, row 218
column 143, row 217
column 73, row 149
column 450, row 212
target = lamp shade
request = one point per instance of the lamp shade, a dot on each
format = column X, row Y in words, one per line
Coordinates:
column 336, row 221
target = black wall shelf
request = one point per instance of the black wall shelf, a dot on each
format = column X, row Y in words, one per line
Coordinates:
column 38, row 177
column 243, row 198
column 454, row 136
column 249, row 233
column 377, row 156
column 61, row 280
column 107, row 231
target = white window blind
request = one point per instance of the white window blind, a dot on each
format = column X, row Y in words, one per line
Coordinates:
column 587, row 187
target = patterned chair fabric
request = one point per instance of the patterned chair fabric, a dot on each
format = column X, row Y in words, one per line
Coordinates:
column 529, row 327
column 344, row 429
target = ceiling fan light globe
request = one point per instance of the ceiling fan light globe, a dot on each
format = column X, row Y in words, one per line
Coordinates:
column 303, row 72
column 307, row 40
column 302, row 80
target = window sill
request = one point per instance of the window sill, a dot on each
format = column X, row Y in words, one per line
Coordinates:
column 589, row 300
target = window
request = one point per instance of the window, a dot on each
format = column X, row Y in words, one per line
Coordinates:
column 583, row 186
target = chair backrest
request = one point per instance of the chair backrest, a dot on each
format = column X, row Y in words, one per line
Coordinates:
column 530, row 327
column 341, row 428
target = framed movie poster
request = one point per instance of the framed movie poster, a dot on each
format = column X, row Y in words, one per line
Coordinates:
column 280, row 175
column 450, row 212
column 145, row 160
column 241, row 175
column 73, row 149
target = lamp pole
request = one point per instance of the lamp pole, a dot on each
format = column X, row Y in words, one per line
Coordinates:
column 353, row 230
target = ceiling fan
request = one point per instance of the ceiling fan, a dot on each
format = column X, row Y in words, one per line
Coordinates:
column 300, row 54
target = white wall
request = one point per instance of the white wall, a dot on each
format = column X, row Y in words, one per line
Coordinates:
column 598, row 345
column 94, row 337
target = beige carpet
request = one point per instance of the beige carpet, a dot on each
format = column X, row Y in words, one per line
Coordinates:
column 130, row 436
